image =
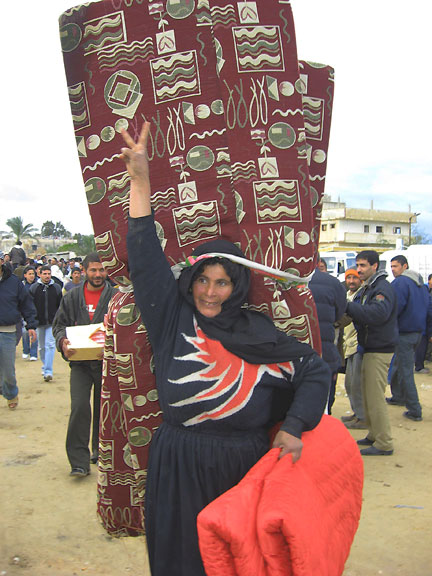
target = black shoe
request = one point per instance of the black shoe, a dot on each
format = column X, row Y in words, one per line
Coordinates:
column 394, row 402
column 365, row 442
column 412, row 416
column 372, row 451
column 94, row 457
column 79, row 472
column 348, row 418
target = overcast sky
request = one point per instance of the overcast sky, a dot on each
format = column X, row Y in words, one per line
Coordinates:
column 380, row 145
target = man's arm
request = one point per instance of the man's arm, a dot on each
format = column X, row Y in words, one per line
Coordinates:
column 402, row 293
column 27, row 308
column 340, row 301
column 375, row 312
column 62, row 319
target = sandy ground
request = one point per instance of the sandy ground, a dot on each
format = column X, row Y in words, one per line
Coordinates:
column 48, row 521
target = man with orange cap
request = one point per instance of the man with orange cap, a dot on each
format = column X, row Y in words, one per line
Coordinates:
column 353, row 359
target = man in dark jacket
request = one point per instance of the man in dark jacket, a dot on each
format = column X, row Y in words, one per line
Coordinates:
column 85, row 304
column 17, row 255
column 374, row 312
column 330, row 302
column 414, row 320
column 15, row 303
column 46, row 296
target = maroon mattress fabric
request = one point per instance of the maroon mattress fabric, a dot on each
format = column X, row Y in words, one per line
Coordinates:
column 233, row 122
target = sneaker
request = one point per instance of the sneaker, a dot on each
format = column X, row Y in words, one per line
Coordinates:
column 33, row 358
column 422, row 371
column 412, row 416
column 25, row 356
column 79, row 472
column 48, row 378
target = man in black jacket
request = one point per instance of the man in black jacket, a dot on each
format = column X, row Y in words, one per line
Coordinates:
column 374, row 312
column 330, row 301
column 14, row 303
column 17, row 255
column 85, row 304
column 46, row 296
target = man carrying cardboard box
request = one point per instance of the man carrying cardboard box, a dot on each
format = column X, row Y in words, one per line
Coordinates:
column 86, row 304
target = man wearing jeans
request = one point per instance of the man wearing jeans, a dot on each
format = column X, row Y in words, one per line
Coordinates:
column 15, row 303
column 414, row 320
column 374, row 312
column 46, row 296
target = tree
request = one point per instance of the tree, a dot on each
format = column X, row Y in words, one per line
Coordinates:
column 48, row 228
column 60, row 231
column 419, row 236
column 56, row 230
column 85, row 244
column 20, row 229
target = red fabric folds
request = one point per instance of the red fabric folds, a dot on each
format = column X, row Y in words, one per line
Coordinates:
column 289, row 519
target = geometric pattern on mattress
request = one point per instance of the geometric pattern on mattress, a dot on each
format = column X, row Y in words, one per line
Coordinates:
column 237, row 148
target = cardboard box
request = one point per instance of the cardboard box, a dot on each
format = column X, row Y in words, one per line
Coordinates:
column 88, row 341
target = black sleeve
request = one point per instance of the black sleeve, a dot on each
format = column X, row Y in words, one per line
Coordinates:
column 308, row 396
column 155, row 288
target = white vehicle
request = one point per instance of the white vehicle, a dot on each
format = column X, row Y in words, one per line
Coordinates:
column 339, row 262
column 419, row 258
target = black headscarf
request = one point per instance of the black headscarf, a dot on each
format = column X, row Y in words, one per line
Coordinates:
column 248, row 334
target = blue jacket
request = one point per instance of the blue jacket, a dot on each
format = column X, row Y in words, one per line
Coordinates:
column 414, row 303
column 374, row 312
column 15, row 301
column 330, row 301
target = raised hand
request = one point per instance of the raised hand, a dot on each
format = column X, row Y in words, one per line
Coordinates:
column 135, row 158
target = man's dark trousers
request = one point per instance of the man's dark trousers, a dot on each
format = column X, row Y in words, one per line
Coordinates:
column 84, row 375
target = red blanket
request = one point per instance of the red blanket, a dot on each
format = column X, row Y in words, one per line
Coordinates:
column 289, row 519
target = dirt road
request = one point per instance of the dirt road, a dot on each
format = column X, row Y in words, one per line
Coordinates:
column 48, row 521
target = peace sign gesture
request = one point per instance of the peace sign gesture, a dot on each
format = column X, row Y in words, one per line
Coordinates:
column 135, row 158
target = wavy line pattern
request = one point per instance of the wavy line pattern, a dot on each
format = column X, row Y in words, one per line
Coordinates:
column 101, row 162
column 277, row 201
column 106, row 30
column 162, row 200
column 130, row 54
column 313, row 111
column 197, row 222
column 258, row 48
column 79, row 105
column 146, row 416
column 222, row 17
column 207, row 133
column 176, row 76
column 286, row 113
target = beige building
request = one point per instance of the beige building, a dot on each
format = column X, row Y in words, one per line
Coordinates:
column 343, row 228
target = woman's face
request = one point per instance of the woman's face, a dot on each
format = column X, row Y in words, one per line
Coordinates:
column 210, row 289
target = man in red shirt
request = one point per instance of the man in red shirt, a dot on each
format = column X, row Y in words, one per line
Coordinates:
column 86, row 304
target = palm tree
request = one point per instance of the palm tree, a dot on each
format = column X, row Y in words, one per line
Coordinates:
column 20, row 229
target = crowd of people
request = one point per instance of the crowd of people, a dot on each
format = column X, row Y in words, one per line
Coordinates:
column 375, row 331
column 39, row 299
column 383, row 338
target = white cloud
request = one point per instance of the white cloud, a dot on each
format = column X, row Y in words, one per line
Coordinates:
column 380, row 51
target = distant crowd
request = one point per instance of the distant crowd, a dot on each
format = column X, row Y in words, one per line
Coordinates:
column 66, row 273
